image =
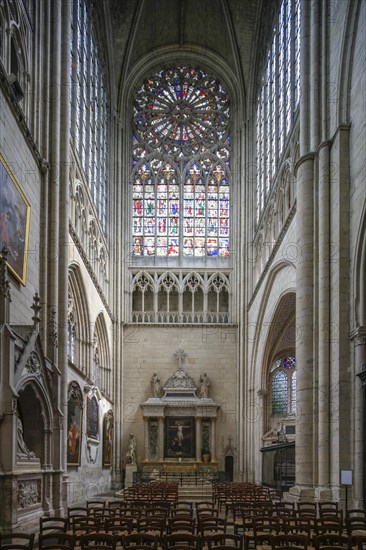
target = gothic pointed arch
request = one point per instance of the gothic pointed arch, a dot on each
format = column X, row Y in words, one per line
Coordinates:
column 78, row 322
column 101, row 356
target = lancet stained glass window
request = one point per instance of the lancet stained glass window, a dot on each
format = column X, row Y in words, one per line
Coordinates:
column 278, row 96
column 283, row 382
column 89, row 121
column 181, row 165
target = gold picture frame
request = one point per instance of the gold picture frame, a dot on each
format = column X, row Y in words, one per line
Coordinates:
column 14, row 222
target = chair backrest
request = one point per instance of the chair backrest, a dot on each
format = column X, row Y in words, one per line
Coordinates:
column 290, row 540
column 85, row 525
column 52, row 540
column 97, row 539
column 224, row 540
column 53, row 523
column 141, row 539
column 330, row 524
column 181, row 523
column 118, row 525
column 16, row 541
column 181, row 539
column 331, row 540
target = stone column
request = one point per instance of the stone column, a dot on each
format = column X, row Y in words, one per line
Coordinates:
column 161, row 439
column 359, row 339
column 213, row 439
column 146, row 439
column 305, row 328
column 323, row 321
column 198, row 438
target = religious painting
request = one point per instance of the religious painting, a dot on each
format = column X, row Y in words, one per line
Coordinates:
column 108, row 426
column 14, row 222
column 74, row 424
column 180, row 439
column 92, row 426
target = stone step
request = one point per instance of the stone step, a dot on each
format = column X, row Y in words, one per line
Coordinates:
column 195, row 493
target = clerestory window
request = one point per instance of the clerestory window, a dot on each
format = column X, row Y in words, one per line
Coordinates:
column 89, row 120
column 278, row 97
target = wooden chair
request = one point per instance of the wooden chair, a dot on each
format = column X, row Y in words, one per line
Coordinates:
column 297, row 526
column 97, row 541
column 306, row 509
column 290, row 540
column 264, row 528
column 330, row 541
column 54, row 541
column 225, row 540
column 209, row 526
column 118, row 525
column 16, row 541
column 328, row 508
column 53, row 524
column 140, row 539
column 328, row 524
column 185, row 540
column 184, row 524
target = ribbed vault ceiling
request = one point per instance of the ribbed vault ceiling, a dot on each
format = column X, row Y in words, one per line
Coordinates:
column 227, row 28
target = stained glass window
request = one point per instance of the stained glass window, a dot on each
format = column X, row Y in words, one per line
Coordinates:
column 283, row 380
column 89, row 121
column 181, row 164
column 278, row 96
column 279, row 393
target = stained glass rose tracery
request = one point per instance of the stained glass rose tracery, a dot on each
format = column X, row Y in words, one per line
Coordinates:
column 181, row 162
column 181, row 112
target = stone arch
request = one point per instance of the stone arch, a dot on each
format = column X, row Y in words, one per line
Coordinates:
column 359, row 282
column 101, row 356
column 80, row 220
column 80, row 310
column 346, row 61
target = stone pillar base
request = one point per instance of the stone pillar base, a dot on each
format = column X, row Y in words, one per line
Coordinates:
column 130, row 469
column 300, row 492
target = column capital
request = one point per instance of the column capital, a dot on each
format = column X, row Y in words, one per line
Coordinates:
column 198, row 418
column 358, row 336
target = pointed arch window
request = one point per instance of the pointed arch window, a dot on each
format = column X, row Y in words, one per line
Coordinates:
column 278, row 97
column 181, row 165
column 89, row 117
column 283, row 385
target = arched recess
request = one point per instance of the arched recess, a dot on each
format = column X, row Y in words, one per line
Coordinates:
column 35, row 410
column 78, row 322
column 268, row 332
column 101, row 359
column 278, row 395
column 359, row 271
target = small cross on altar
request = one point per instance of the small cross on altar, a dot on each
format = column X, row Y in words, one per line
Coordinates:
column 180, row 356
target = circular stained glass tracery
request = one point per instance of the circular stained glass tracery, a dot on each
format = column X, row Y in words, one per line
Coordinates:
column 181, row 112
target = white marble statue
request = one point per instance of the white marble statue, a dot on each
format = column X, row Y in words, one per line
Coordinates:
column 131, row 453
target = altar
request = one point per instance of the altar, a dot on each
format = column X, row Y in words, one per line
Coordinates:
column 179, row 425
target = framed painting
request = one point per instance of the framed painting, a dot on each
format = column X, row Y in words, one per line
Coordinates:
column 14, row 222
column 92, row 428
column 180, row 437
column 108, row 425
column 74, row 424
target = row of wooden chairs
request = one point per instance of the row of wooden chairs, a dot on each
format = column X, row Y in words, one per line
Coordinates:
column 106, row 541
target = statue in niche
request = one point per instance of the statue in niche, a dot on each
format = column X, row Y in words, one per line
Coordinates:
column 131, row 453
column 155, row 385
column 22, row 451
column 204, row 386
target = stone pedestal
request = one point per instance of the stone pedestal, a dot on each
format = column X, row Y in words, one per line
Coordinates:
column 130, row 469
